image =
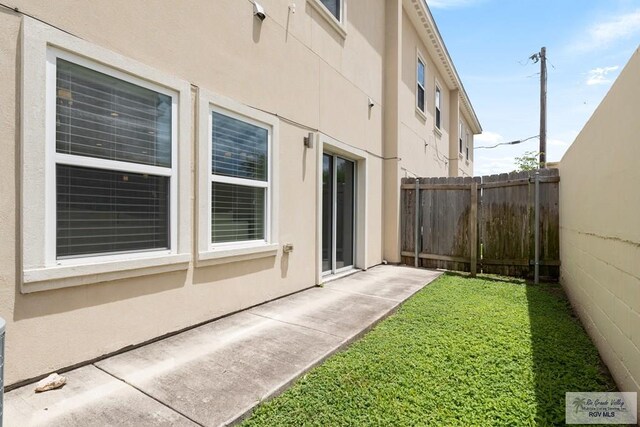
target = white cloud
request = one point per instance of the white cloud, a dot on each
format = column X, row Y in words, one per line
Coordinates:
column 450, row 4
column 599, row 76
column 493, row 165
column 605, row 33
column 487, row 138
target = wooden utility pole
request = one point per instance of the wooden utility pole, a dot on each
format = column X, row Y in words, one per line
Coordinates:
column 543, row 108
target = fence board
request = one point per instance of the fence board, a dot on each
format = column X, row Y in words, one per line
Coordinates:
column 500, row 221
column 407, row 222
column 445, row 224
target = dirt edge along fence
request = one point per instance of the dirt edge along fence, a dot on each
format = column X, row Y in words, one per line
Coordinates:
column 482, row 224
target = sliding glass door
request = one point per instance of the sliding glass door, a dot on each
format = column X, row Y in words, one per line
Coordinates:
column 338, row 213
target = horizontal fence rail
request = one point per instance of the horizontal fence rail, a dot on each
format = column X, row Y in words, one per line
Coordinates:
column 482, row 224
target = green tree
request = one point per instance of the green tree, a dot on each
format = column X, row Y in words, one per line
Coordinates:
column 528, row 161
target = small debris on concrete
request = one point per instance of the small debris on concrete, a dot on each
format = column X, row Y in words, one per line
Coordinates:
column 52, row 381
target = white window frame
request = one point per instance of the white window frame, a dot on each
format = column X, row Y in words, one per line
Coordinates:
column 340, row 25
column 420, row 59
column 41, row 46
column 210, row 253
column 468, row 145
column 53, row 54
column 437, row 101
column 461, row 130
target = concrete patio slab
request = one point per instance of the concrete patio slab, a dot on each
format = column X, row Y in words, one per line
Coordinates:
column 395, row 283
column 90, row 398
column 333, row 312
column 217, row 373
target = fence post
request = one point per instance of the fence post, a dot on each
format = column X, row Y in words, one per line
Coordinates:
column 416, row 235
column 473, row 228
column 536, row 219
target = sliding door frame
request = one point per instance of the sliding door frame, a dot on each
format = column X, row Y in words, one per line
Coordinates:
column 327, row 145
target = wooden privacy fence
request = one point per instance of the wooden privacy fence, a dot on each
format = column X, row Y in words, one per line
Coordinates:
column 482, row 224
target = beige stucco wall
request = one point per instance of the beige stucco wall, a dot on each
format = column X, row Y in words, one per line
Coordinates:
column 221, row 47
column 463, row 164
column 420, row 150
column 600, row 227
column 423, row 150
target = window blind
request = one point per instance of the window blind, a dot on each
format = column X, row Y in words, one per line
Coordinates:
column 239, row 148
column 101, row 211
column 237, row 213
column 333, row 6
column 101, row 116
column 438, row 105
column 420, row 88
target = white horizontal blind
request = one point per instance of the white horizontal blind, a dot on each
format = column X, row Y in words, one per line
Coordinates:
column 239, row 167
column 101, row 116
column 239, row 148
column 102, row 211
column 237, row 213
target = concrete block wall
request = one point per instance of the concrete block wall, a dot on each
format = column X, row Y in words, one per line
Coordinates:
column 600, row 227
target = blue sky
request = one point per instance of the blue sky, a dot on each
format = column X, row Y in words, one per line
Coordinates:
column 588, row 43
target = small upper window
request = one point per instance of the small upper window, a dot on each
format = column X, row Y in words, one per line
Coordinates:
column 438, row 107
column 113, row 164
column 467, row 143
column 333, row 6
column 460, row 136
column 420, row 77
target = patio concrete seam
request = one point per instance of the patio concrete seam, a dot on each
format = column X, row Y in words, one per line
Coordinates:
column 346, row 343
column 296, row 324
column 150, row 396
column 365, row 295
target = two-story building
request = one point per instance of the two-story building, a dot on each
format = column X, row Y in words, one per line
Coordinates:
column 167, row 164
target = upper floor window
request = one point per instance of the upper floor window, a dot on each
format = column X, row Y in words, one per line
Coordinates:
column 334, row 6
column 438, row 107
column 460, row 136
column 467, row 144
column 420, row 91
column 334, row 12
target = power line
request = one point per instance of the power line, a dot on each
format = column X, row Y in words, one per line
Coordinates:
column 507, row 143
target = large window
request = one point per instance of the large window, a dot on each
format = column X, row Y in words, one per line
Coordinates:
column 113, row 164
column 420, row 91
column 438, row 107
column 105, row 164
column 240, row 179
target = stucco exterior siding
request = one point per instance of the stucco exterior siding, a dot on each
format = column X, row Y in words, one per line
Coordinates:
column 220, row 47
column 294, row 67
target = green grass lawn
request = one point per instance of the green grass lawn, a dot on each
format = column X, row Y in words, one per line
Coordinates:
column 486, row 351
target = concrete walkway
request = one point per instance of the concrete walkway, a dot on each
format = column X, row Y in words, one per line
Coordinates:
column 217, row 373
